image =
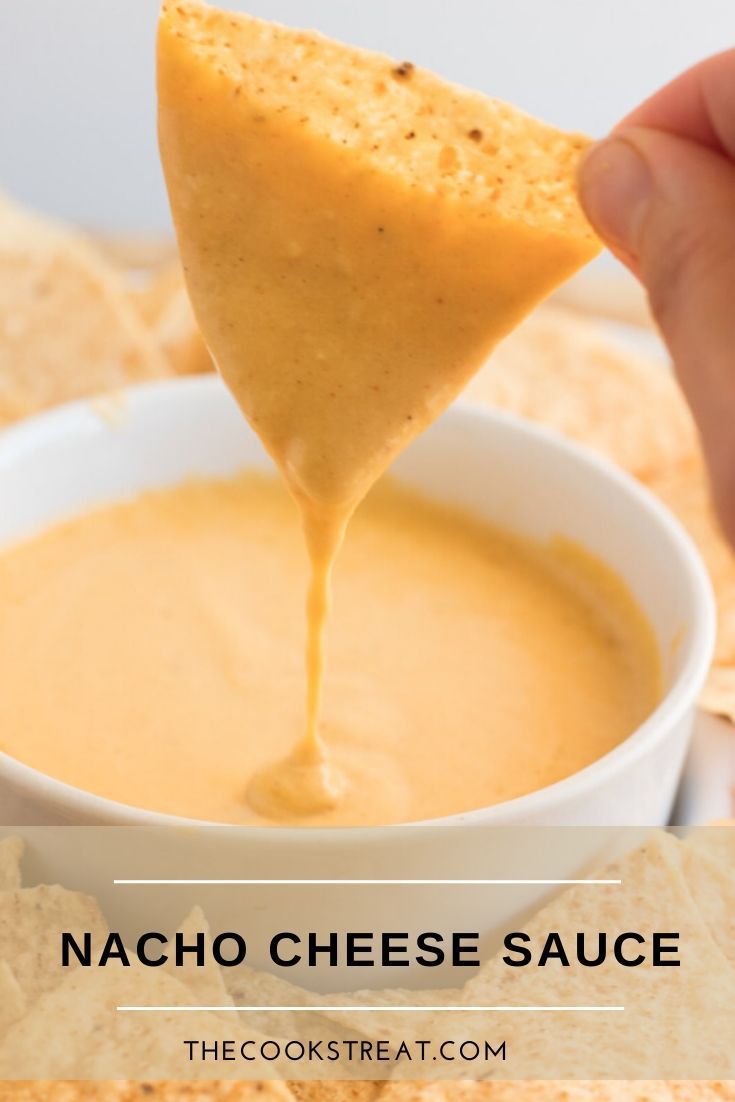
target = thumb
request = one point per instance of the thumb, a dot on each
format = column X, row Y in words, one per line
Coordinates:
column 666, row 207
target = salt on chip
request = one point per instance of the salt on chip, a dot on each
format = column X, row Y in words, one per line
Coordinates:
column 565, row 371
column 11, row 851
column 67, row 327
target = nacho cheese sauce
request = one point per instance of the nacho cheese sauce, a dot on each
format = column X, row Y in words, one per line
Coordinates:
column 151, row 654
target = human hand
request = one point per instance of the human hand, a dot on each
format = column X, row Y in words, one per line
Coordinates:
column 660, row 191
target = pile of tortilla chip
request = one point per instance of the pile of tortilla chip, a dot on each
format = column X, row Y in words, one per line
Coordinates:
column 565, row 371
column 46, row 1022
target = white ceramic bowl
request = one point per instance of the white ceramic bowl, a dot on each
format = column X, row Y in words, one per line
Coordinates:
column 511, row 472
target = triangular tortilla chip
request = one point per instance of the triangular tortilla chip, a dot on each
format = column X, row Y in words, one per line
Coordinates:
column 206, row 984
column 564, row 370
column 356, row 234
column 67, row 327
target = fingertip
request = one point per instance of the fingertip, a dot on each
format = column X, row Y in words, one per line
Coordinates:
column 615, row 188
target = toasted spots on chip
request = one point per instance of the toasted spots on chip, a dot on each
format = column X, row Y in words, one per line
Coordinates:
column 565, row 371
column 31, row 921
column 685, row 489
column 503, row 162
column 11, row 851
column 351, row 253
column 67, row 328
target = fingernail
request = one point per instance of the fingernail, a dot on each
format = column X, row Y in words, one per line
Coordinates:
column 615, row 187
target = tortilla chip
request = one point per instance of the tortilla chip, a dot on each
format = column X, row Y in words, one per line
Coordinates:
column 249, row 987
column 137, row 256
column 67, row 328
column 566, row 372
column 712, row 884
column 252, row 988
column 206, row 984
column 52, row 1040
column 685, row 490
column 11, row 851
column 160, row 286
column 13, row 1003
column 680, row 1020
column 164, row 306
column 31, row 920
column 716, row 841
column 375, row 216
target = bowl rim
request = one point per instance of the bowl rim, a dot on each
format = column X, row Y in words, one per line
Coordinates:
column 681, row 697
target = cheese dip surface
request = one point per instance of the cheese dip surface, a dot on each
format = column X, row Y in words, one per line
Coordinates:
column 152, row 653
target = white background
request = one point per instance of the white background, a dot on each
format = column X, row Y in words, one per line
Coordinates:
column 77, row 115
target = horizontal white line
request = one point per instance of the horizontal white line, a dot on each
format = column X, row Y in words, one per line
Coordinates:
column 353, row 883
column 370, row 1009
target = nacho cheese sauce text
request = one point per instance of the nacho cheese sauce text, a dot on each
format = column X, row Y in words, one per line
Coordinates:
column 151, row 655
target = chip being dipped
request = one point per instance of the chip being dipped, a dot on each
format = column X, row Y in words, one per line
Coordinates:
column 356, row 236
